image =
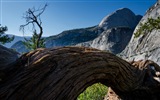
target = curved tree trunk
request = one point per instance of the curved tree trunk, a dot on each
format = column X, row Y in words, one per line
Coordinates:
column 63, row 73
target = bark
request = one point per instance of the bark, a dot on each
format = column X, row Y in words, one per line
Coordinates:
column 63, row 73
column 152, row 74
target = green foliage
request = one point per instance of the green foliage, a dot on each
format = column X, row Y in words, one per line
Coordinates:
column 95, row 92
column 32, row 43
column 5, row 38
column 148, row 26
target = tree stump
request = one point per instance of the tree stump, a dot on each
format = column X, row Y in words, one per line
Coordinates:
column 63, row 73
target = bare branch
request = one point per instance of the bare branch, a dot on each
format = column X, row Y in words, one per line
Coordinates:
column 32, row 16
column 23, row 26
column 42, row 10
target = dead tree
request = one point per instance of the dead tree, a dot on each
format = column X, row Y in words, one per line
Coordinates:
column 63, row 73
column 33, row 17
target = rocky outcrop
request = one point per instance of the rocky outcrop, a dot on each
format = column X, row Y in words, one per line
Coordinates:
column 113, row 40
column 146, row 46
column 117, row 29
column 63, row 73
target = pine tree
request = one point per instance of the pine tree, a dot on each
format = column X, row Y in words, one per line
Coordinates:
column 148, row 26
column 31, row 43
column 5, row 38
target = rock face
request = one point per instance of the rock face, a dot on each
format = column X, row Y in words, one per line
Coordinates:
column 117, row 29
column 7, row 57
column 113, row 40
column 63, row 73
column 146, row 46
column 121, row 18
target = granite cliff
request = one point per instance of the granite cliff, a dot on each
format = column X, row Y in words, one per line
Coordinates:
column 116, row 31
column 146, row 46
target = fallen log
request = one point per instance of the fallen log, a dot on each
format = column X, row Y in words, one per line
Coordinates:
column 63, row 73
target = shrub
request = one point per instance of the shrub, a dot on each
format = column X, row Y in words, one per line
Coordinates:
column 95, row 92
column 148, row 26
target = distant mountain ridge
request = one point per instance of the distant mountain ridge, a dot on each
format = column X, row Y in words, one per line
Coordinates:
column 72, row 37
column 65, row 38
column 108, row 35
column 16, row 39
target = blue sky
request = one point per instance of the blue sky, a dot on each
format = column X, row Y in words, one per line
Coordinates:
column 63, row 15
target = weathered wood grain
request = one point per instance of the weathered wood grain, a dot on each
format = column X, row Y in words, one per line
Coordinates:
column 63, row 73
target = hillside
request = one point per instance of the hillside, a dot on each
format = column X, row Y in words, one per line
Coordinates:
column 72, row 37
